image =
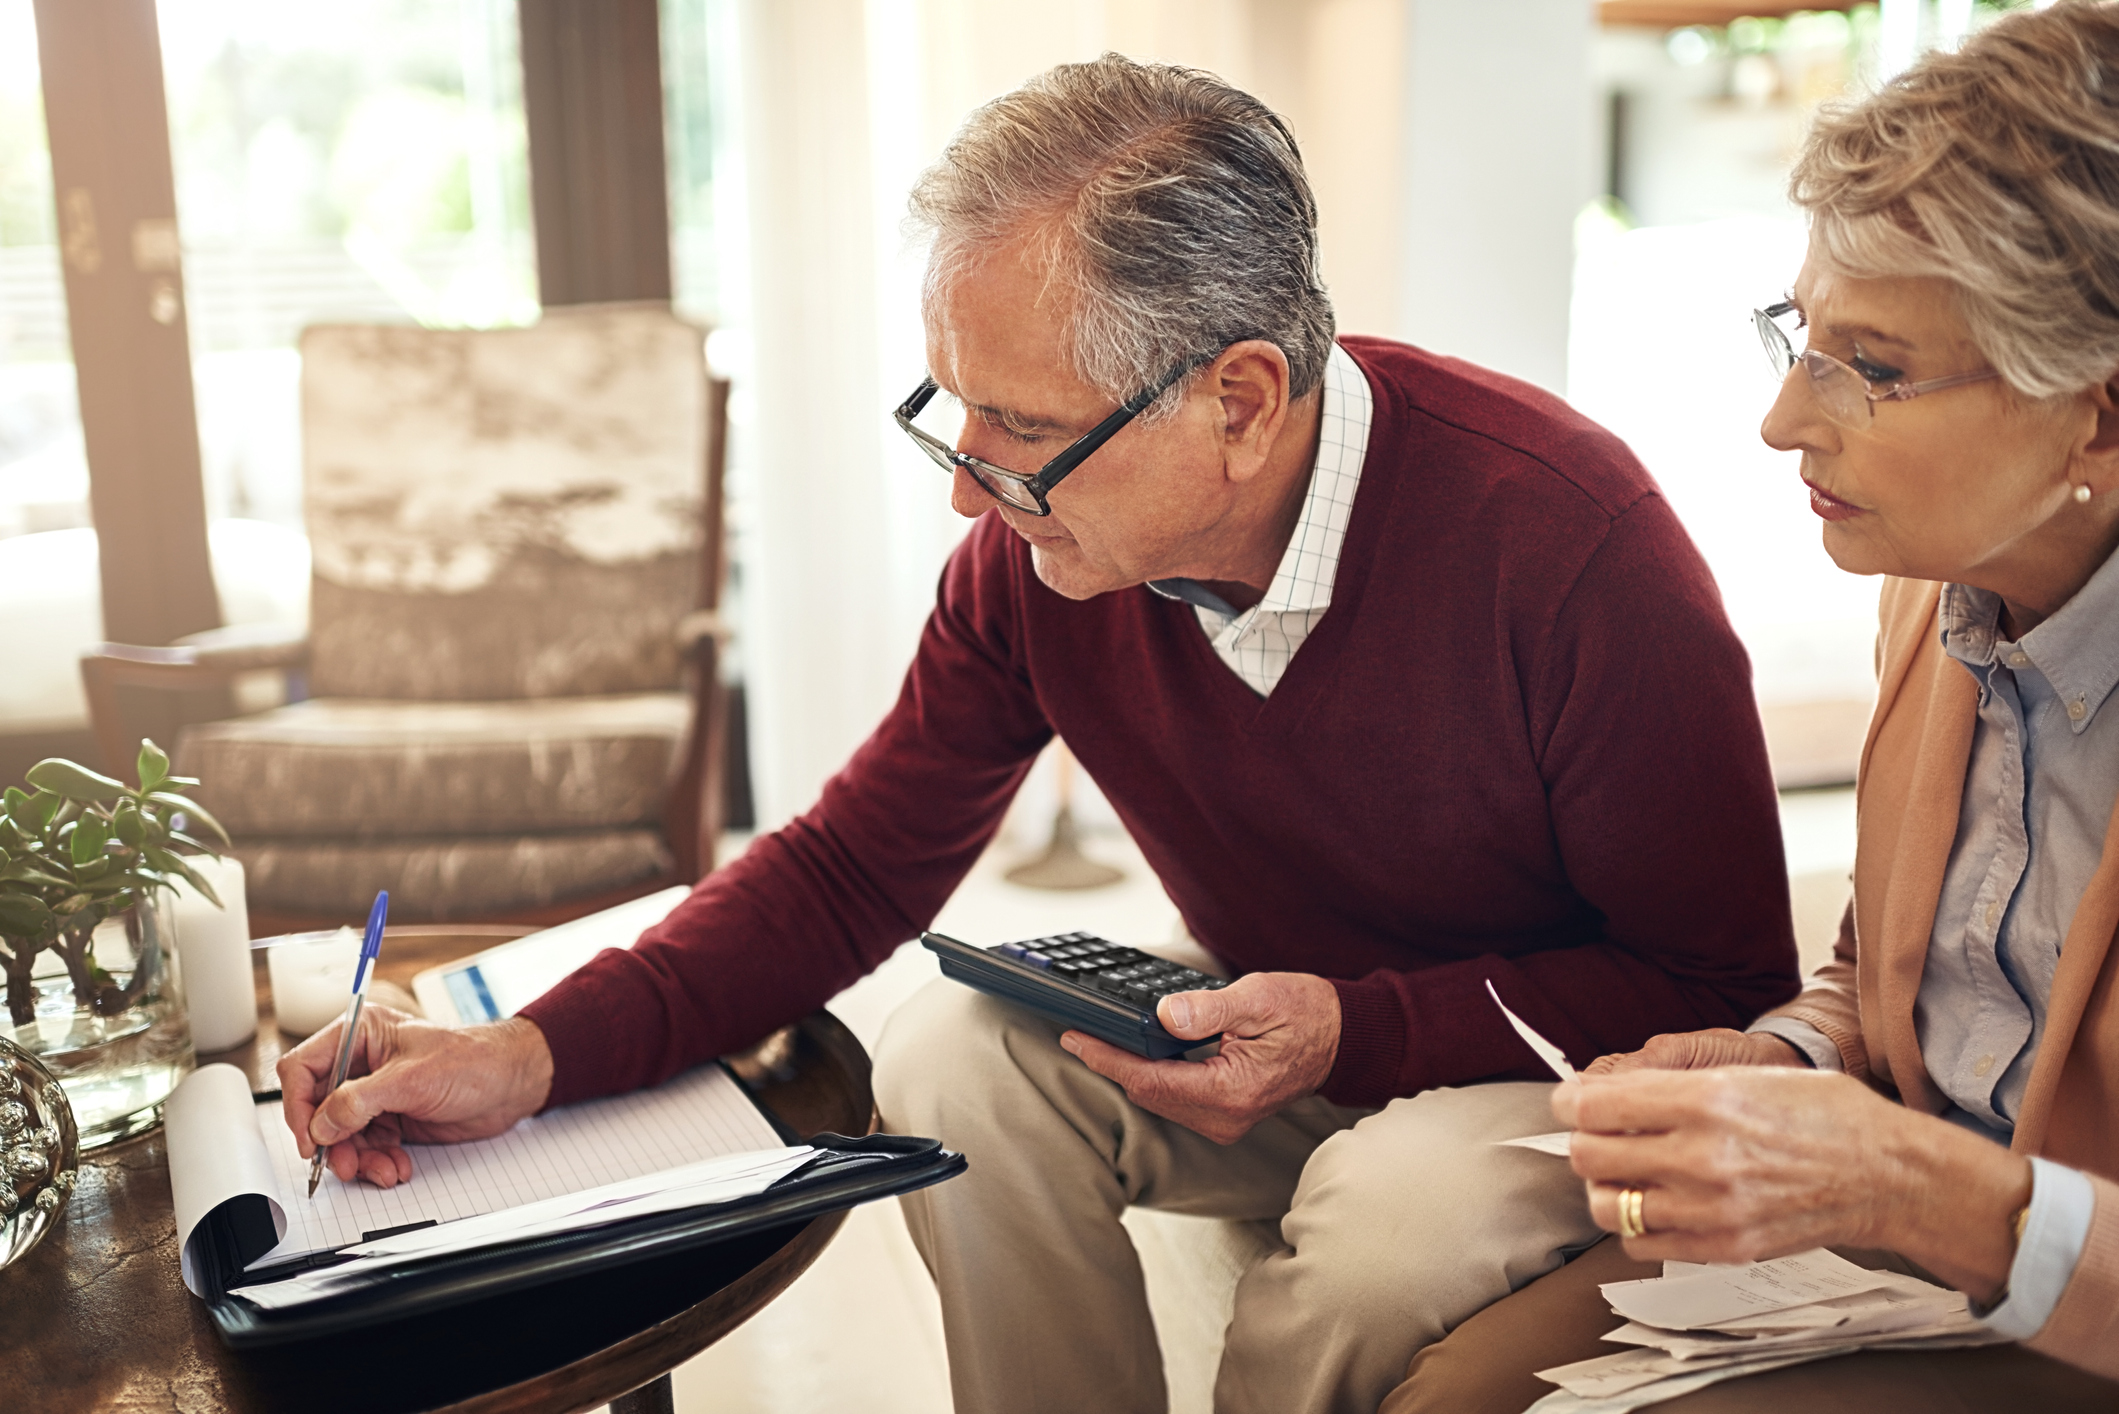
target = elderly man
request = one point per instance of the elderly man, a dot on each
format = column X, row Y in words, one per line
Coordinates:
column 1403, row 676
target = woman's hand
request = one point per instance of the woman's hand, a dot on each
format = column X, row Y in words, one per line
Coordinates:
column 1742, row 1164
column 1700, row 1050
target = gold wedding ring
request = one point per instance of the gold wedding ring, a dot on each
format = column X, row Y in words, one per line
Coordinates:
column 1630, row 1224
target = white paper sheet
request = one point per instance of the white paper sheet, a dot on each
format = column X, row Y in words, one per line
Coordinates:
column 701, row 1114
column 223, row 1144
column 1724, row 1293
column 719, row 1180
column 215, row 1153
column 1552, row 1055
column 1559, row 1144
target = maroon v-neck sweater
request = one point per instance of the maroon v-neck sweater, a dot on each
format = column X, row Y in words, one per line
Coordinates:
column 1521, row 745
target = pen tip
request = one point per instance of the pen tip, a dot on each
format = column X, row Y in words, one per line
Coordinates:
column 312, row 1184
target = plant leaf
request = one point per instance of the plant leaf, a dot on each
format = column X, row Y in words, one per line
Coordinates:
column 169, row 863
column 30, row 871
column 125, row 822
column 153, row 765
column 75, row 782
column 189, row 807
column 89, row 837
column 24, row 917
column 43, row 807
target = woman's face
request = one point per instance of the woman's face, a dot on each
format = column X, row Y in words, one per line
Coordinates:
column 1963, row 484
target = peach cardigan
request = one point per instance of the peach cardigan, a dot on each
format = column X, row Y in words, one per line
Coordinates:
column 1911, row 781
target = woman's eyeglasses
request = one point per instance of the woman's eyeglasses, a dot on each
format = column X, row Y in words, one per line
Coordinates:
column 1026, row 491
column 1842, row 393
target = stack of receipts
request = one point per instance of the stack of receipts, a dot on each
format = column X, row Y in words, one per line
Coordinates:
column 1697, row 1325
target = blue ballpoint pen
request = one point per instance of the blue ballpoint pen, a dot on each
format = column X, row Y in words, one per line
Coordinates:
column 371, row 944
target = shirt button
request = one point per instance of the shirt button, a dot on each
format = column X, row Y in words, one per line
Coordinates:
column 1993, row 914
column 1983, row 1065
column 2019, row 660
column 2077, row 710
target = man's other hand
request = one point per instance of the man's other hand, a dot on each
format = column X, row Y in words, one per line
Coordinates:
column 1700, row 1050
column 416, row 1083
column 1279, row 1035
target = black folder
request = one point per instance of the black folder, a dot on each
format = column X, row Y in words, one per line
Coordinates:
column 846, row 1173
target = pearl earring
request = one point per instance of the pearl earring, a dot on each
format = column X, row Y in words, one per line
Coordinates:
column 2082, row 494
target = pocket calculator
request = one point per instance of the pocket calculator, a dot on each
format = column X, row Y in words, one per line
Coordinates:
column 1083, row 982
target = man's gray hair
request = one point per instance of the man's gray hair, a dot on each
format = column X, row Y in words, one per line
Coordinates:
column 1170, row 208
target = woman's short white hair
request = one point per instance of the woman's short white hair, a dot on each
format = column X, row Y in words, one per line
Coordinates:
column 1995, row 168
column 1170, row 208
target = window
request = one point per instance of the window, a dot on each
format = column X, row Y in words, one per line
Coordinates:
column 43, row 473
column 361, row 161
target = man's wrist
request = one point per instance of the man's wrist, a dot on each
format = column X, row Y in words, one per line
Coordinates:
column 528, row 1057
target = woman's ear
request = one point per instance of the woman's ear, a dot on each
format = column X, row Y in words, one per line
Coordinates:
column 2097, row 461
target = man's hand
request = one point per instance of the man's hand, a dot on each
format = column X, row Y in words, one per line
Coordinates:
column 1700, row 1050
column 1279, row 1035
column 418, row 1083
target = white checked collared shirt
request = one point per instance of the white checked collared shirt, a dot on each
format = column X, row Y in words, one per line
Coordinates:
column 1258, row 643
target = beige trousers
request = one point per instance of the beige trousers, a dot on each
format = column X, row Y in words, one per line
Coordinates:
column 1398, row 1223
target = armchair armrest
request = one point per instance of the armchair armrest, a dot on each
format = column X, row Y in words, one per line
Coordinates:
column 217, row 652
column 241, row 648
column 198, row 660
column 700, row 625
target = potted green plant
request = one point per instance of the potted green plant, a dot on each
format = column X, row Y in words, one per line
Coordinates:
column 77, row 850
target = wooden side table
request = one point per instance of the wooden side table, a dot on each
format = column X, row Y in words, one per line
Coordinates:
column 97, row 1317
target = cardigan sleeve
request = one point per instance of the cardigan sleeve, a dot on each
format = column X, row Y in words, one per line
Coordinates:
column 2084, row 1328
column 1828, row 1002
column 815, row 905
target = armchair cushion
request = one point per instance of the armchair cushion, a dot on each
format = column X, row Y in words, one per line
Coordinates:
column 445, row 880
column 358, row 768
column 504, row 513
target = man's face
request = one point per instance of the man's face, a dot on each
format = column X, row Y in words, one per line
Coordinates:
column 1148, row 503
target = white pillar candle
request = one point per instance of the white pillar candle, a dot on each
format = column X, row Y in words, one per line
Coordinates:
column 213, row 956
column 312, row 979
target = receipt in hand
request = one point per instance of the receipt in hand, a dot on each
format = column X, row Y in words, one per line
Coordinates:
column 1549, row 1053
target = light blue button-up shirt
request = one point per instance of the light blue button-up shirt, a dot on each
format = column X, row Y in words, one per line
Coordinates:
column 2038, row 793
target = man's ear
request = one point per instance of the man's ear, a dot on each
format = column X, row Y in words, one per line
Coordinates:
column 1250, row 381
column 2096, row 462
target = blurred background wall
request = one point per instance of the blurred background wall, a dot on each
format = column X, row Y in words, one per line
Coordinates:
column 1587, row 196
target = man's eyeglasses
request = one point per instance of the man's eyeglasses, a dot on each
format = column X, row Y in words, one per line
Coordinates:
column 1023, row 490
column 1842, row 393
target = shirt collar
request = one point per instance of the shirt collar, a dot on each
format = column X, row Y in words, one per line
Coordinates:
column 2077, row 649
column 1310, row 563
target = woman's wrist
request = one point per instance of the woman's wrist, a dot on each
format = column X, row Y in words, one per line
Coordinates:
column 1949, row 1201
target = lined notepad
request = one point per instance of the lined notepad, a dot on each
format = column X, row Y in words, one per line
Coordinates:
column 701, row 1114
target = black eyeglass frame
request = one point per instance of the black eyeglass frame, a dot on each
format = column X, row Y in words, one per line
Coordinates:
column 1039, row 484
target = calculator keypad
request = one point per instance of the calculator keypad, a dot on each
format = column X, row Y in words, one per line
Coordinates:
column 1123, row 974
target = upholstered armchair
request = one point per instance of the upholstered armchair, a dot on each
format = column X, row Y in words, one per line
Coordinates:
column 507, row 705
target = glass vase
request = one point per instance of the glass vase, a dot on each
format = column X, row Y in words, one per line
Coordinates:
column 107, row 1020
column 39, row 1151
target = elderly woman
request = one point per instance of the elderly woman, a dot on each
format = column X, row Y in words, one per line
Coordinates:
column 1947, row 1087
